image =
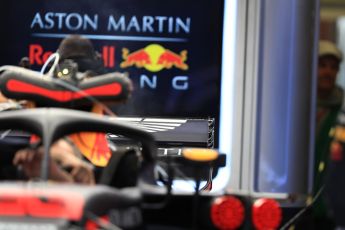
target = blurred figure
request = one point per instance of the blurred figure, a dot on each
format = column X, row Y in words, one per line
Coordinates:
column 63, row 156
column 329, row 95
column 329, row 101
column 81, row 51
column 84, row 154
column 65, row 153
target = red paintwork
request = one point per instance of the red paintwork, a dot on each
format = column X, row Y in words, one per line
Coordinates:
column 42, row 204
column 63, row 95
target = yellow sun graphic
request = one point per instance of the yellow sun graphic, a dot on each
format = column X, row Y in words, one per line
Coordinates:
column 155, row 51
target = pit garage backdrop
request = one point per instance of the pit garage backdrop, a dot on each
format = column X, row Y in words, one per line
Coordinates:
column 171, row 49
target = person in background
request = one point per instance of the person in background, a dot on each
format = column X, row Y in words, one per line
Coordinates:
column 65, row 153
column 329, row 102
column 83, row 154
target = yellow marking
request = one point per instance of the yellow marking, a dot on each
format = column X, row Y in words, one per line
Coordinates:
column 309, row 200
column 339, row 133
column 331, row 132
column 321, row 166
column 200, row 154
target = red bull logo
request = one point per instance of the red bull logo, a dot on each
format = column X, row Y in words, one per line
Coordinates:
column 38, row 55
column 154, row 58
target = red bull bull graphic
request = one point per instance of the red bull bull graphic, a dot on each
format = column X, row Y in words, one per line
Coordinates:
column 169, row 59
column 138, row 58
column 154, row 58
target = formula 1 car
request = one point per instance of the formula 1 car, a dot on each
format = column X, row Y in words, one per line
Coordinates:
column 131, row 193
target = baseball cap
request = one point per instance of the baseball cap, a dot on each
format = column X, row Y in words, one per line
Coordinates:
column 81, row 50
column 329, row 48
column 76, row 46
